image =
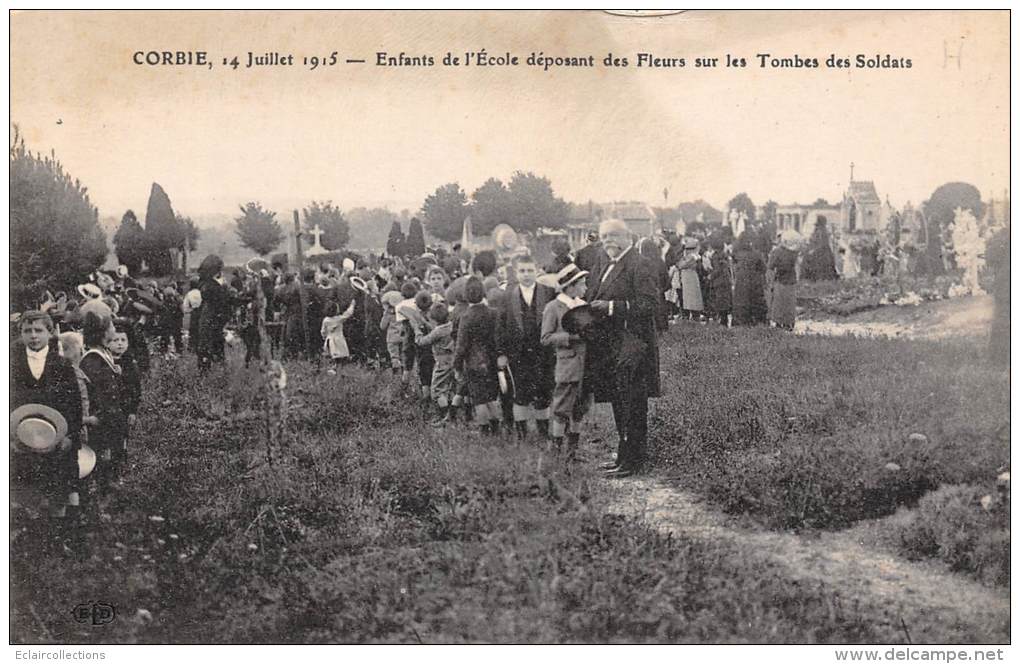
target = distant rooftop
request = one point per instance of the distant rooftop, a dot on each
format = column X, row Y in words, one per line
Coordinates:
column 864, row 191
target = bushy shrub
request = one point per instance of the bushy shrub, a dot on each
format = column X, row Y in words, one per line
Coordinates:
column 843, row 297
column 952, row 524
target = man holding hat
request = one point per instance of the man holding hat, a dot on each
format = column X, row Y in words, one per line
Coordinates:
column 622, row 364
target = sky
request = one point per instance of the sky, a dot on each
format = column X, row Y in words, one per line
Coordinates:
column 365, row 135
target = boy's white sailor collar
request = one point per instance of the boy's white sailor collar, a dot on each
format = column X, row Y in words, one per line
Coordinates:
column 105, row 354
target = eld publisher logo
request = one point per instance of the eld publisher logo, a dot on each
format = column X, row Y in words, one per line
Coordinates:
column 94, row 613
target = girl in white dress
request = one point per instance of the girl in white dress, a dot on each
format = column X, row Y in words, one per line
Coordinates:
column 335, row 345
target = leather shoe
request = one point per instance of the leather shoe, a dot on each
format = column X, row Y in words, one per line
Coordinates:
column 619, row 473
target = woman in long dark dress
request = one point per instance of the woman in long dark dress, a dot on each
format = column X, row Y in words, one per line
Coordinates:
column 214, row 313
column 650, row 251
column 749, row 306
column 783, row 264
column 720, row 285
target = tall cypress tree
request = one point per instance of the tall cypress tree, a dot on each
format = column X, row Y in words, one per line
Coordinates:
column 161, row 232
column 129, row 242
column 415, row 245
column 395, row 241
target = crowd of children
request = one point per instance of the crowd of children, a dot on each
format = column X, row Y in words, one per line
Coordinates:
column 470, row 339
column 89, row 375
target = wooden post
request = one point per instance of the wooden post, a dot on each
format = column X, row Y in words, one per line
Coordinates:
column 298, row 251
column 302, row 295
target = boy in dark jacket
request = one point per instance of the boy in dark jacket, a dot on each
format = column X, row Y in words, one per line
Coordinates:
column 475, row 357
column 40, row 375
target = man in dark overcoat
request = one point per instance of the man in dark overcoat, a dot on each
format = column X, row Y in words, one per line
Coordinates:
column 622, row 364
column 591, row 256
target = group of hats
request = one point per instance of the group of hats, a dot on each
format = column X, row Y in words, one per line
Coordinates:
column 39, row 429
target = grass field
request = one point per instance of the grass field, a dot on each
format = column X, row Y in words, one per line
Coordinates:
column 819, row 432
column 371, row 526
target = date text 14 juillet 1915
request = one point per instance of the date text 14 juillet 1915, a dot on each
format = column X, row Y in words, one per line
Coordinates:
column 202, row 59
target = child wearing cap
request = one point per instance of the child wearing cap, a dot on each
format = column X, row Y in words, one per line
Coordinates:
column 441, row 342
column 569, row 404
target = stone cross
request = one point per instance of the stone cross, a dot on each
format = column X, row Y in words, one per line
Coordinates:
column 317, row 233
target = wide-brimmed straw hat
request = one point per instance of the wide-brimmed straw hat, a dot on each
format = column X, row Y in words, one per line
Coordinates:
column 37, row 428
column 579, row 320
column 257, row 264
column 86, row 461
column 90, row 291
column 507, row 385
column 568, row 275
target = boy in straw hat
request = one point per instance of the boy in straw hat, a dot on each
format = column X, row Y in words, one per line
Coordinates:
column 568, row 402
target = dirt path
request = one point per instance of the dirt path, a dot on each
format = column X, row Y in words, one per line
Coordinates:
column 935, row 606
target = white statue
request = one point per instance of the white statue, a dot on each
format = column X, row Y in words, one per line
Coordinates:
column 968, row 247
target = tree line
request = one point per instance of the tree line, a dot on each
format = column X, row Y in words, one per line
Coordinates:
column 527, row 203
column 56, row 239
